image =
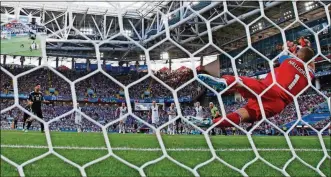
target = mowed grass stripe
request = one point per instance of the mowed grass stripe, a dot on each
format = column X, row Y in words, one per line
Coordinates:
column 141, row 148
column 150, row 141
column 153, row 149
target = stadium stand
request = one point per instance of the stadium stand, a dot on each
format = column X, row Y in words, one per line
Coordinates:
column 312, row 107
column 128, row 41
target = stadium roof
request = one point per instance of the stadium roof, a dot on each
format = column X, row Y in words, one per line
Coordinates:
column 130, row 9
column 143, row 23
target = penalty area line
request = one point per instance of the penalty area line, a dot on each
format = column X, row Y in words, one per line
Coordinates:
column 155, row 149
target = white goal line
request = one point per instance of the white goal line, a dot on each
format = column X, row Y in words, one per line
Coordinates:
column 156, row 149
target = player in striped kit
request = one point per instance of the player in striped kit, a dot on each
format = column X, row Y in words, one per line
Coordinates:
column 122, row 110
column 78, row 119
column 198, row 111
column 154, row 112
column 172, row 114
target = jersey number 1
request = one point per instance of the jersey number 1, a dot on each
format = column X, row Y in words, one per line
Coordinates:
column 295, row 80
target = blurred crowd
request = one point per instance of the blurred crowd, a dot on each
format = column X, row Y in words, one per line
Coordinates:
column 102, row 86
column 105, row 113
column 246, row 71
column 99, row 85
column 15, row 28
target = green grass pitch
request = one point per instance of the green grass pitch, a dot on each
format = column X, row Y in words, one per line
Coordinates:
column 235, row 150
column 13, row 47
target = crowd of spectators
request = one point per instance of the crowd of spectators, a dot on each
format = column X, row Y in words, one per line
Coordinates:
column 101, row 113
column 104, row 113
column 245, row 71
column 306, row 104
column 99, row 85
column 175, row 78
column 15, row 28
column 321, row 124
column 104, row 87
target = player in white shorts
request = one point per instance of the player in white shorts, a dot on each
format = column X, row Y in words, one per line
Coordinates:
column 78, row 119
column 198, row 111
column 172, row 114
column 123, row 109
column 155, row 114
column 198, row 117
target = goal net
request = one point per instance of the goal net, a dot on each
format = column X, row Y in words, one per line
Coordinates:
column 181, row 87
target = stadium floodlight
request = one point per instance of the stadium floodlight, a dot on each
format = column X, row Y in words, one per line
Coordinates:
column 257, row 27
column 288, row 17
column 142, row 57
column 287, row 13
column 169, row 18
column 128, row 32
column 164, row 56
column 309, row 3
column 195, row 3
column 86, row 30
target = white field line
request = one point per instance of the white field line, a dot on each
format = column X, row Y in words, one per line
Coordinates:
column 153, row 149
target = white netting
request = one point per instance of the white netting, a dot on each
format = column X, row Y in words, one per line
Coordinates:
column 194, row 170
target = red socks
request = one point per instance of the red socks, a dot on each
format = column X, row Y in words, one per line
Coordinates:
column 234, row 117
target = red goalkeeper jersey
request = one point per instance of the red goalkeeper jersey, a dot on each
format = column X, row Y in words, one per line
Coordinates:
column 291, row 75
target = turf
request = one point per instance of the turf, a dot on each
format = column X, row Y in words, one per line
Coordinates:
column 216, row 168
column 7, row 170
column 54, row 166
column 12, row 47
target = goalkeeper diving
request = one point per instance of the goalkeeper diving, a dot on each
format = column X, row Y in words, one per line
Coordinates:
column 290, row 75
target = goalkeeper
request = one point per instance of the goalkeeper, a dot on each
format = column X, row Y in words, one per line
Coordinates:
column 290, row 75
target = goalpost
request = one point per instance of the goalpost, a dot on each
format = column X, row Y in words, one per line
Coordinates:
column 194, row 170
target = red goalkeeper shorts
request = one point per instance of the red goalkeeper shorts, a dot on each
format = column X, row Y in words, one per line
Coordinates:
column 272, row 103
